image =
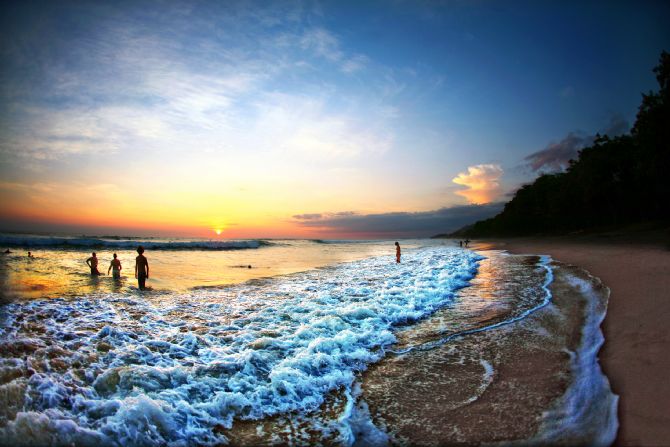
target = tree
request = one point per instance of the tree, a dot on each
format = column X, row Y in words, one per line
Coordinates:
column 614, row 181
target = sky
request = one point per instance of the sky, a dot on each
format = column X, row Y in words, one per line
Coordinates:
column 309, row 119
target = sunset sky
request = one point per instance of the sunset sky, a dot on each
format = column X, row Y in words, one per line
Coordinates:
column 304, row 119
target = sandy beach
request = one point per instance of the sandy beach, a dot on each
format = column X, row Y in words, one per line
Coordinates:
column 637, row 338
column 446, row 348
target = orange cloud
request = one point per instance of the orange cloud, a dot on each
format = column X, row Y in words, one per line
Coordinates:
column 481, row 182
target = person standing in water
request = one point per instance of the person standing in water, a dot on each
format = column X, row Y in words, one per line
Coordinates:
column 92, row 262
column 397, row 253
column 116, row 265
column 141, row 268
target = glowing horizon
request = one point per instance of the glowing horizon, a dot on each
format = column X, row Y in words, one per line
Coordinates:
column 287, row 119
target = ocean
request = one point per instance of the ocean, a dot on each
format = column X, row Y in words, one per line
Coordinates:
column 262, row 342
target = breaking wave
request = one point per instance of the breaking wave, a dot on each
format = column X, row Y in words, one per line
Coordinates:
column 114, row 243
column 178, row 369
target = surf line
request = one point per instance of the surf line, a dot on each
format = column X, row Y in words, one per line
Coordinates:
column 544, row 262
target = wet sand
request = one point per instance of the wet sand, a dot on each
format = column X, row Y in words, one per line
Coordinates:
column 444, row 396
column 637, row 338
column 490, row 386
column 505, row 384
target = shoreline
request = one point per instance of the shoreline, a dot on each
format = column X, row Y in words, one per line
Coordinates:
column 513, row 384
column 634, row 355
column 599, row 259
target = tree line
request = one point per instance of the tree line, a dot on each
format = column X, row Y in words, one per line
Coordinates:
column 616, row 181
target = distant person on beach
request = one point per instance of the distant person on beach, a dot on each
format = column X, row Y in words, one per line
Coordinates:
column 460, row 244
column 92, row 262
column 30, row 255
column 141, row 268
column 397, row 253
column 467, row 241
column 116, row 266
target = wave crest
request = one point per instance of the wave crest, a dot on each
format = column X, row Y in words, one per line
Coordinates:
column 86, row 242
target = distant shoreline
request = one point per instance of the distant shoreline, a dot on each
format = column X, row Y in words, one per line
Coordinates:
column 636, row 268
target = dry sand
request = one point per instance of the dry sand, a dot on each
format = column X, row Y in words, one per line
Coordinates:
column 636, row 354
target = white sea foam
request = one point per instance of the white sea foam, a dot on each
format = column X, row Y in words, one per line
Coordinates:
column 587, row 412
column 361, row 429
column 167, row 369
column 521, row 312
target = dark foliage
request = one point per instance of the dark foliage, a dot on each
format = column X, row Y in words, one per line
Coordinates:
column 616, row 181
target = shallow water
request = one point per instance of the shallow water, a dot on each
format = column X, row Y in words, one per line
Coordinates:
column 61, row 270
column 525, row 372
column 365, row 351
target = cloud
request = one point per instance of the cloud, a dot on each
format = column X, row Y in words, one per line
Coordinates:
column 323, row 43
column 354, row 64
column 311, row 216
column 482, row 182
column 188, row 79
column 324, row 217
column 305, row 126
column 618, row 125
column 398, row 224
column 326, row 45
column 556, row 156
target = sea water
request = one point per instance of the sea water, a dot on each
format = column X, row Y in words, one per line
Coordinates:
column 59, row 267
column 311, row 344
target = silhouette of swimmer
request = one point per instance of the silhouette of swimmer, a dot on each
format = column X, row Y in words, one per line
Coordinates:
column 30, row 255
column 397, row 253
column 141, row 268
column 116, row 265
column 92, row 262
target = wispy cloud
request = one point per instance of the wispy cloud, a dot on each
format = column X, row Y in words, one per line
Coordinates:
column 131, row 86
column 354, row 64
column 556, row 156
column 326, row 45
column 482, row 183
column 308, row 216
column 304, row 126
column 322, row 43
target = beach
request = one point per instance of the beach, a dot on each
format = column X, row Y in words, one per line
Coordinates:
column 636, row 268
column 318, row 342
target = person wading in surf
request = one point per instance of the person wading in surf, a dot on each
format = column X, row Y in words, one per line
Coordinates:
column 116, row 265
column 397, row 253
column 92, row 262
column 141, row 268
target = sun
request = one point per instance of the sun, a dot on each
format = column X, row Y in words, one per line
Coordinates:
column 218, row 231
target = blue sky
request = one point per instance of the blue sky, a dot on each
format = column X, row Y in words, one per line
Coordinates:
column 240, row 115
